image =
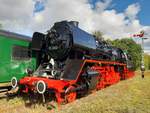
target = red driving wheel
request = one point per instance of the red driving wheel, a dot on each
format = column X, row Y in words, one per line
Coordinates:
column 70, row 94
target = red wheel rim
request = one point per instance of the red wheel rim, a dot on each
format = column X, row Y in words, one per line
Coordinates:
column 70, row 97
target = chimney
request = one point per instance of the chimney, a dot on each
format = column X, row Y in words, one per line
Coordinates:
column 75, row 23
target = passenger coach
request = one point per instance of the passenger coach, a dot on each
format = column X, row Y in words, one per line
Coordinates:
column 15, row 57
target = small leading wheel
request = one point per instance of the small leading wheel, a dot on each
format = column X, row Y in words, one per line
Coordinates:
column 70, row 95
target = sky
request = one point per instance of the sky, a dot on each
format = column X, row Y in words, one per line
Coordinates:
column 115, row 18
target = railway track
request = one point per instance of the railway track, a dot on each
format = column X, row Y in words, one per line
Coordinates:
column 5, row 93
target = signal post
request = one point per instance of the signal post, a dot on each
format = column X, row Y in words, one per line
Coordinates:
column 141, row 35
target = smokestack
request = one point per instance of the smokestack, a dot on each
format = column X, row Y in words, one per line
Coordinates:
column 75, row 23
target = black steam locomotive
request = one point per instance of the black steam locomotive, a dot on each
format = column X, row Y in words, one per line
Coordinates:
column 65, row 40
column 72, row 63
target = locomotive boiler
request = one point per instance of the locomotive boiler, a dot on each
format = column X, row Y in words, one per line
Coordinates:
column 66, row 40
column 72, row 63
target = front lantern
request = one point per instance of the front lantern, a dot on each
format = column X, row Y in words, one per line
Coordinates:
column 41, row 87
column 14, row 82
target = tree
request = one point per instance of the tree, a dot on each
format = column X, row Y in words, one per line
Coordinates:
column 126, row 44
column 133, row 49
column 147, row 61
column 98, row 35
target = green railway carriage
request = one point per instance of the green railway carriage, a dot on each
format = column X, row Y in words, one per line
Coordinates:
column 15, row 57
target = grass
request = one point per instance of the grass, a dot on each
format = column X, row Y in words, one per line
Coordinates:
column 129, row 96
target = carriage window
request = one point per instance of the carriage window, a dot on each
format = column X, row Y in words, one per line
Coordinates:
column 20, row 53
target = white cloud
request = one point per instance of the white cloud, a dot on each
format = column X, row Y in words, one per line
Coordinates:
column 101, row 6
column 132, row 11
column 17, row 16
column 110, row 22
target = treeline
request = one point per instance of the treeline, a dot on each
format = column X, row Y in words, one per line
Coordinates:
column 147, row 61
column 130, row 47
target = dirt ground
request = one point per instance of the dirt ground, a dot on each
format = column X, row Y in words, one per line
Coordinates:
column 129, row 96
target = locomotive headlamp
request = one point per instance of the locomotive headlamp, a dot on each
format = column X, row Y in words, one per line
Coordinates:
column 29, row 71
column 53, row 72
column 14, row 82
column 41, row 87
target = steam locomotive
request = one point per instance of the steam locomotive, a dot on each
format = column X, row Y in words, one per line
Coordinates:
column 72, row 63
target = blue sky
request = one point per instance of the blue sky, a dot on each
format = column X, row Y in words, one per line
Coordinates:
column 118, row 5
column 143, row 15
column 39, row 6
column 121, row 5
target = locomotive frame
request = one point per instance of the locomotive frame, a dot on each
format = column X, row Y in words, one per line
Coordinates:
column 101, row 75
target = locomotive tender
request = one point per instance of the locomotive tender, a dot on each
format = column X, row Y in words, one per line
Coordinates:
column 73, row 63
